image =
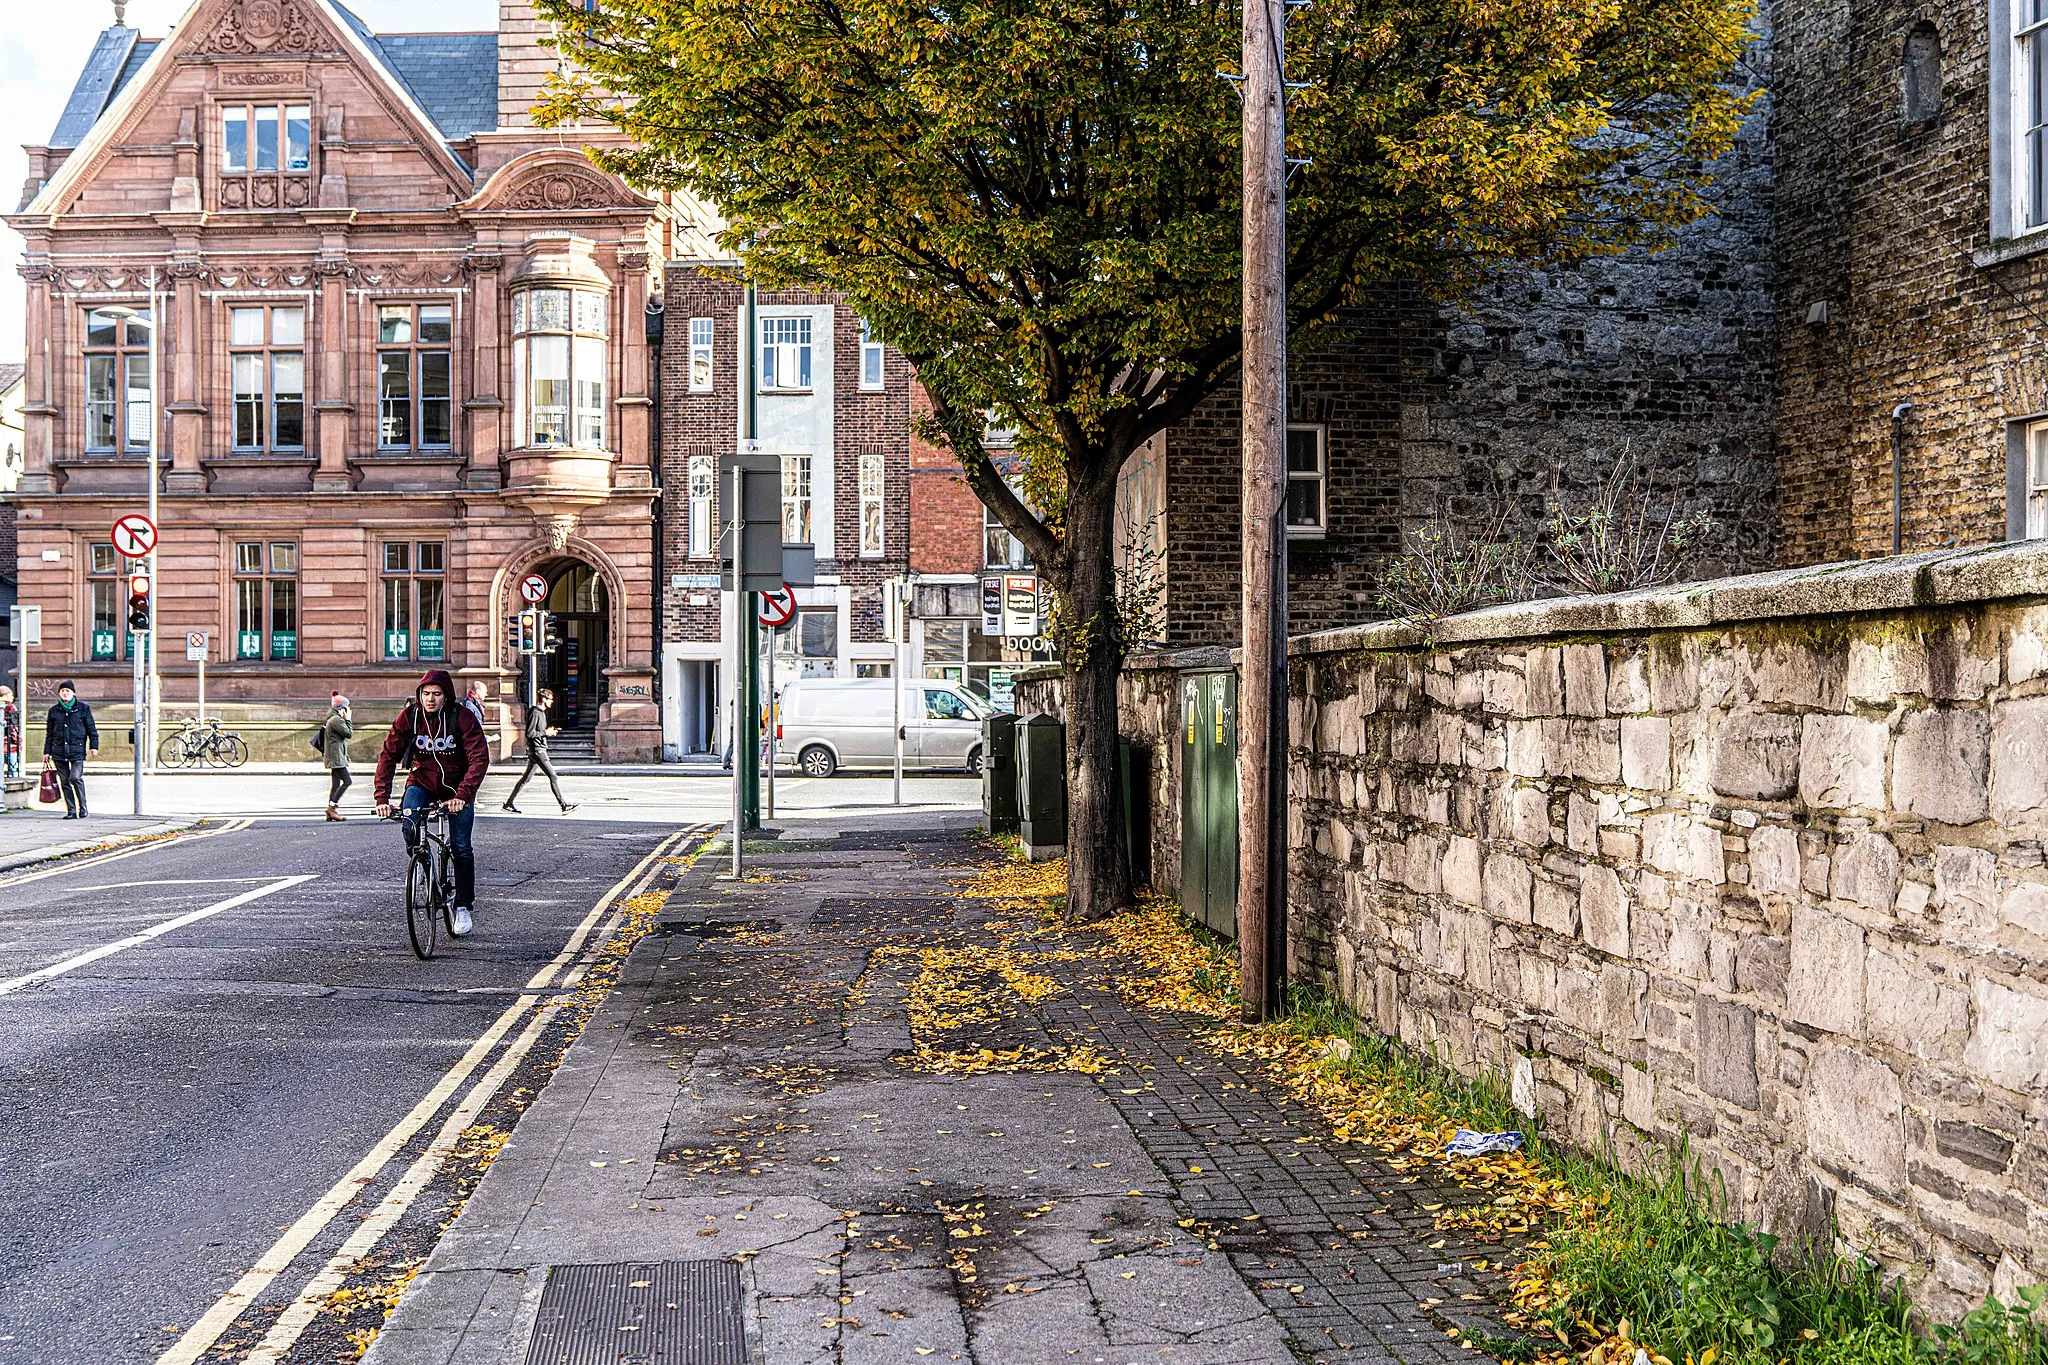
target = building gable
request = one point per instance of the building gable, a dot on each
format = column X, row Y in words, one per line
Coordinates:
column 258, row 48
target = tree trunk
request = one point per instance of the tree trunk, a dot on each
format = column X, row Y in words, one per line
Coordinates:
column 1098, row 872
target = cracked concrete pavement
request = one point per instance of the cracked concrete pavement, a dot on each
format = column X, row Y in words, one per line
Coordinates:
column 741, row 1094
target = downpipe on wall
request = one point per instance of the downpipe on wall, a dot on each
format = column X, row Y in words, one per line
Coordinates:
column 1899, row 474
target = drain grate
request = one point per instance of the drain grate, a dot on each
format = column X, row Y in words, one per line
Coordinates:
column 656, row 1313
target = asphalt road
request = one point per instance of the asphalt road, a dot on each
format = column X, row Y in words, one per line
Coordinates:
column 175, row 1105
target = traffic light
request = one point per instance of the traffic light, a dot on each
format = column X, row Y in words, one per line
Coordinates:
column 138, row 602
column 550, row 636
column 529, row 631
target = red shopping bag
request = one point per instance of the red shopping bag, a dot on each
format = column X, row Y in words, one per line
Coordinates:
column 49, row 793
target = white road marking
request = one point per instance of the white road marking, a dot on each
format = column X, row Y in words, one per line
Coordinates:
column 72, row 964
column 304, row 1309
column 152, row 846
column 202, row 1335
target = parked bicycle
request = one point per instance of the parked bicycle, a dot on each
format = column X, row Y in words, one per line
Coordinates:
column 429, row 877
column 206, row 744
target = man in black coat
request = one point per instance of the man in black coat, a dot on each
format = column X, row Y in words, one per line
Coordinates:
column 70, row 738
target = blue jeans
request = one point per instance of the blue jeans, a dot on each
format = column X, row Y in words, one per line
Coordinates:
column 461, row 826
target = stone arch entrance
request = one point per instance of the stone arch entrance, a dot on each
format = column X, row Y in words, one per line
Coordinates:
column 575, row 672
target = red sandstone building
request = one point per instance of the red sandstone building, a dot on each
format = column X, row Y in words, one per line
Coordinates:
column 403, row 364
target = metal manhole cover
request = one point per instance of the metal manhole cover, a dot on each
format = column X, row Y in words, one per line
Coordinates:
column 658, row 1313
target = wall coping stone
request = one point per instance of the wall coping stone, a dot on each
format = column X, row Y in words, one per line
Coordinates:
column 1931, row 579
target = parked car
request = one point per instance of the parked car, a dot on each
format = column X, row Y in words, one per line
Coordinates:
column 825, row 724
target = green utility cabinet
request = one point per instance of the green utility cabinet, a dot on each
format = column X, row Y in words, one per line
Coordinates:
column 1208, row 800
column 999, row 773
column 1042, row 787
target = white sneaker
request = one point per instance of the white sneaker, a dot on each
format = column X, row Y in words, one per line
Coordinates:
column 461, row 923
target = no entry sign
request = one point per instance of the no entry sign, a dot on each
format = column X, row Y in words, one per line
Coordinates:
column 134, row 535
column 533, row 587
column 778, row 608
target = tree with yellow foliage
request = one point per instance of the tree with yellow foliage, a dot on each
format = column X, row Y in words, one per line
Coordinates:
column 1037, row 202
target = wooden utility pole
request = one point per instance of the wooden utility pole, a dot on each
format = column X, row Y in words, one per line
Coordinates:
column 1262, row 703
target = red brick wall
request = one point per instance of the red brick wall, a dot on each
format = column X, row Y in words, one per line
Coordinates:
column 945, row 516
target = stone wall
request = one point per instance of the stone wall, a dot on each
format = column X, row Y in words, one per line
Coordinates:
column 1761, row 863
column 1758, row 861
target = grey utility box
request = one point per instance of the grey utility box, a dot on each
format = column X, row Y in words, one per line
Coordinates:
column 999, row 773
column 1042, row 787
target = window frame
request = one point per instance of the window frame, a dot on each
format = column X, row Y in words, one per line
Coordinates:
column 266, row 579
column 872, row 478
column 874, row 370
column 701, row 489
column 1320, row 478
column 114, row 579
column 266, row 353
column 798, row 498
column 121, row 356
column 416, row 353
column 2019, row 198
column 413, row 582
column 246, row 183
column 770, row 342
column 703, row 372
column 585, row 426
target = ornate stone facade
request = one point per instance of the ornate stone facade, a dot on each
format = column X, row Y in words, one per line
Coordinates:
column 400, row 363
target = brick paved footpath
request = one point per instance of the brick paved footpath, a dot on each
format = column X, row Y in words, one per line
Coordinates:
column 742, row 1093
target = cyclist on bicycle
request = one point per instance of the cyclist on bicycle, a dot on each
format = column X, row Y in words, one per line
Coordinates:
column 448, row 758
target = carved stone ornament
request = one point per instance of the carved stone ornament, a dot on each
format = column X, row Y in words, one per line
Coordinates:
column 482, row 263
column 632, row 259
column 250, row 26
column 559, row 529
column 412, row 275
column 248, row 79
column 561, row 192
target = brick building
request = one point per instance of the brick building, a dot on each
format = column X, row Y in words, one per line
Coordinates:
column 401, row 365
column 1913, row 214
column 1542, row 379
column 834, row 404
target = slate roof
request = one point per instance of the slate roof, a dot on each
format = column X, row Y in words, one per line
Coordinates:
column 116, row 56
column 10, row 375
column 452, row 76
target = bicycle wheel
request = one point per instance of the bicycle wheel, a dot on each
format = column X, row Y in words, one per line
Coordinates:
column 173, row 753
column 422, row 910
column 237, row 750
column 444, row 863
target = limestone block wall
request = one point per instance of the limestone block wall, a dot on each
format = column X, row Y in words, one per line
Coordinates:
column 1760, row 862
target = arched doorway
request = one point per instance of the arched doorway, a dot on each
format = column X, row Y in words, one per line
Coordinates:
column 574, row 672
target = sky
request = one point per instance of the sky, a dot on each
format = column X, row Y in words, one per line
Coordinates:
column 42, row 47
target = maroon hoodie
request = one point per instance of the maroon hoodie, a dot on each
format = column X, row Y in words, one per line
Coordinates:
column 449, row 754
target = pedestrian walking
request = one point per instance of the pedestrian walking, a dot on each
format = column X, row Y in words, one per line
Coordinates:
column 69, row 738
column 10, row 734
column 473, row 700
column 335, row 733
column 537, row 732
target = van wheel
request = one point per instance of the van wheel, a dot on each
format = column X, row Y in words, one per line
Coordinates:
column 974, row 763
column 817, row 761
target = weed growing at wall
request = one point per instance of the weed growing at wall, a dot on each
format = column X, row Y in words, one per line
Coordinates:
column 1619, row 1269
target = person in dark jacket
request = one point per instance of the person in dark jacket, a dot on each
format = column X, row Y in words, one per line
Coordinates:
column 537, row 732
column 335, row 732
column 70, row 738
column 447, row 758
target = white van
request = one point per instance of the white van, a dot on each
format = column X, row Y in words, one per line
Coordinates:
column 825, row 724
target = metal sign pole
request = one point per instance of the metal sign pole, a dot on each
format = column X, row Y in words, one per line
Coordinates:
column 156, row 428
column 896, row 693
column 739, row 524
column 135, row 733
column 771, row 721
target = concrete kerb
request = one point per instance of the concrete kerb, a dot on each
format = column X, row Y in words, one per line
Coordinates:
column 10, row 861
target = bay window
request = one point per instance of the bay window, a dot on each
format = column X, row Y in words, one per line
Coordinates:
column 558, row 367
